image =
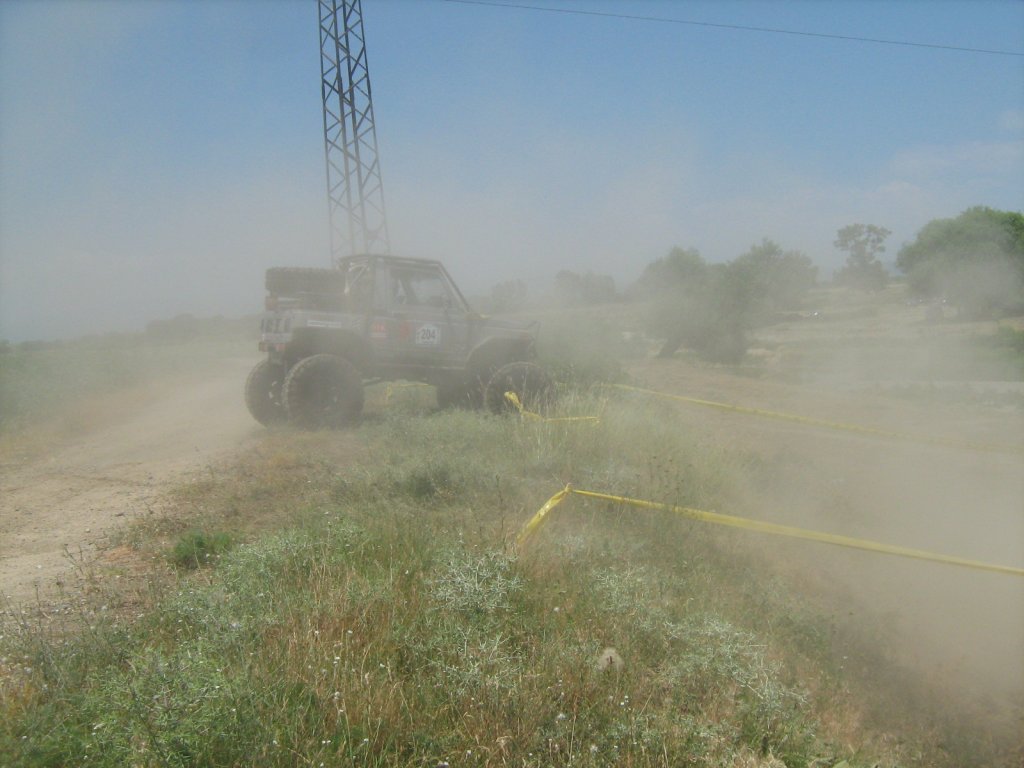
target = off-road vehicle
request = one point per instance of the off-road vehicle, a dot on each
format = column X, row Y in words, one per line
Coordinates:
column 327, row 332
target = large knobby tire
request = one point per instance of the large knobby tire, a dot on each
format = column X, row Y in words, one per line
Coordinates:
column 323, row 391
column 263, row 393
column 531, row 384
column 289, row 281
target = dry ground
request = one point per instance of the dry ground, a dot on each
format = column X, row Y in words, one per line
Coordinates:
column 61, row 502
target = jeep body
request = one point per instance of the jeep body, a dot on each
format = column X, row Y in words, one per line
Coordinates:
column 378, row 318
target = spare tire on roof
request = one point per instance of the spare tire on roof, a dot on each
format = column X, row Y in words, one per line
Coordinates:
column 296, row 281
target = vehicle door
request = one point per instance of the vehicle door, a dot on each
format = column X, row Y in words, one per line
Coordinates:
column 429, row 319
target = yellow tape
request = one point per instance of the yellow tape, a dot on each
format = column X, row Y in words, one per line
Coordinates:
column 534, row 522
column 513, row 398
column 827, row 424
column 762, row 527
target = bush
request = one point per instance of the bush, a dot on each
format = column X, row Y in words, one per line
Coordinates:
column 710, row 308
column 975, row 260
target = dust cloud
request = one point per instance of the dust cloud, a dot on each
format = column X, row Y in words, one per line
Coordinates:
column 956, row 633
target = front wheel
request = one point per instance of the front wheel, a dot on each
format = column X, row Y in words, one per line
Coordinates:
column 323, row 391
column 263, row 393
column 530, row 383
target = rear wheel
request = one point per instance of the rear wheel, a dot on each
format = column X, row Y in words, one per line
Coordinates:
column 530, row 383
column 323, row 391
column 263, row 393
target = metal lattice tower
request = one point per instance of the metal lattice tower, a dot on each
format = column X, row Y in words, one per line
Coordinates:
column 355, row 192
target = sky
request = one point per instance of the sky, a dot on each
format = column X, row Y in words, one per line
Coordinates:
column 156, row 157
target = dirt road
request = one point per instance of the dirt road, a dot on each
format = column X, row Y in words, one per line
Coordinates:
column 69, row 500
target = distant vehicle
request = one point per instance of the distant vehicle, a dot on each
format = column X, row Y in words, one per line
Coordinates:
column 326, row 332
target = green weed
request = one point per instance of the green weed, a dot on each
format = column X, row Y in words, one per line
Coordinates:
column 372, row 611
column 198, row 548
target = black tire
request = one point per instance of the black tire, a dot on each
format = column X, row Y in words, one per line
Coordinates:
column 323, row 391
column 291, row 281
column 263, row 393
column 531, row 383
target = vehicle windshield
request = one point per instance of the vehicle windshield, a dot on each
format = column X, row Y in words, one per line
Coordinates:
column 419, row 288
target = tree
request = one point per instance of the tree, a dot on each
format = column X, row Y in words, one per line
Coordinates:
column 681, row 267
column 862, row 244
column 710, row 316
column 975, row 260
column 779, row 279
column 709, row 308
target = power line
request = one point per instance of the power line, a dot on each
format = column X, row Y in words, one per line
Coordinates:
column 741, row 27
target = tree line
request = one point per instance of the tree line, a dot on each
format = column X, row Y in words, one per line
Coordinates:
column 974, row 262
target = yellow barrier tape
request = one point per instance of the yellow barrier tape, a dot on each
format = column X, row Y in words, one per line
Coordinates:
column 513, row 398
column 760, row 526
column 871, row 431
column 534, row 522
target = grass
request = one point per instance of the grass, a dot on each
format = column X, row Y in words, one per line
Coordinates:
column 319, row 646
column 361, row 602
column 197, row 548
column 585, row 345
column 373, row 612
